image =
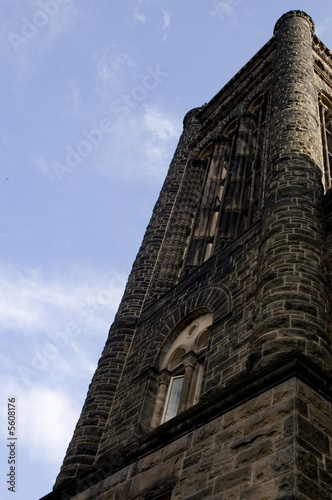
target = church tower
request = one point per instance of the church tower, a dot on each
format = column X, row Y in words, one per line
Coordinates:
column 215, row 381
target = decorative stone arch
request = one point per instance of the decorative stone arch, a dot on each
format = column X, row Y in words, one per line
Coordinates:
column 186, row 339
column 171, row 333
column 216, row 299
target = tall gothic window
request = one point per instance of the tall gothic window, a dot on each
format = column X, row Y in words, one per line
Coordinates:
column 326, row 127
column 231, row 188
column 181, row 371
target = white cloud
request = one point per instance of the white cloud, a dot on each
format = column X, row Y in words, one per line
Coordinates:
column 224, row 8
column 159, row 125
column 139, row 16
column 34, row 26
column 143, row 144
column 166, row 23
column 43, row 166
column 167, row 19
column 53, row 330
column 52, row 424
column 114, row 68
column 45, row 421
column 33, row 304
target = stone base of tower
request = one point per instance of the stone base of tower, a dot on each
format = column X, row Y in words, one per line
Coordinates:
column 268, row 437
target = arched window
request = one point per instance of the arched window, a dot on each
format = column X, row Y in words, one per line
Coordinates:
column 181, row 370
column 230, row 194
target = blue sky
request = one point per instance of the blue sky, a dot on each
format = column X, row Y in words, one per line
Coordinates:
column 93, row 94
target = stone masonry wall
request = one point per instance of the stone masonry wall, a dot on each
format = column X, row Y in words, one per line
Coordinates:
column 232, row 272
column 228, row 349
column 276, row 446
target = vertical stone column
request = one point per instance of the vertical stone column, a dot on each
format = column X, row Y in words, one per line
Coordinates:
column 164, row 381
column 244, row 159
column 179, row 227
column 189, row 362
column 292, row 301
column 166, row 269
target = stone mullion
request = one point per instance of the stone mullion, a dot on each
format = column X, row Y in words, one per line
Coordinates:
column 189, row 361
column 204, row 223
column 240, row 161
column 164, row 381
column 248, row 146
column 215, row 202
column 235, row 198
column 226, row 207
column 201, row 224
column 222, row 188
column 212, row 186
column 233, row 207
column 255, row 169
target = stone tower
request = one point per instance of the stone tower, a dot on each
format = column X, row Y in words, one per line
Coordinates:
column 215, row 381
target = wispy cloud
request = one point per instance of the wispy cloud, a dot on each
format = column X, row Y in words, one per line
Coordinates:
column 161, row 126
column 36, row 25
column 46, row 419
column 139, row 16
column 45, row 434
column 29, row 31
column 224, row 8
column 34, row 304
column 114, row 68
column 143, row 144
column 167, row 19
column 166, row 23
column 53, row 331
column 43, row 166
